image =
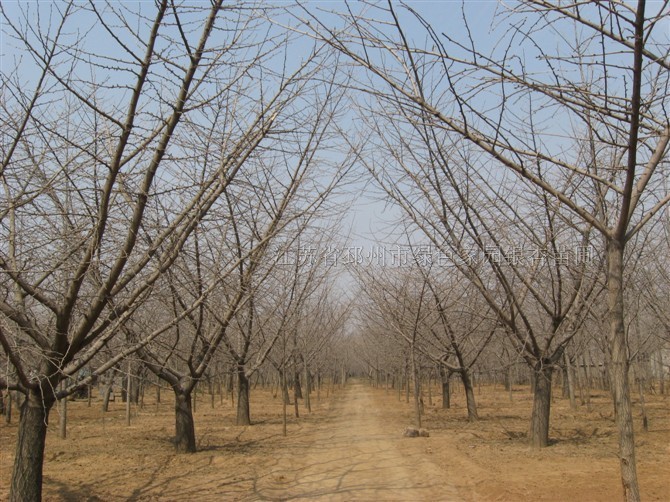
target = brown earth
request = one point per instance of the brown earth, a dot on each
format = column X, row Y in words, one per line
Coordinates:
column 350, row 448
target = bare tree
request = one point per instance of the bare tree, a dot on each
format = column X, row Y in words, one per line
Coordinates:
column 399, row 306
column 604, row 80
column 465, row 326
column 123, row 126
column 234, row 262
column 517, row 251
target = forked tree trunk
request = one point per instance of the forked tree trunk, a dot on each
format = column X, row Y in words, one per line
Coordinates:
column 243, row 415
column 539, row 421
column 619, row 372
column 184, row 440
column 469, row 396
column 26, row 484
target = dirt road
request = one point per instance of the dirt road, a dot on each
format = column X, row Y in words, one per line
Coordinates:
column 350, row 448
column 356, row 453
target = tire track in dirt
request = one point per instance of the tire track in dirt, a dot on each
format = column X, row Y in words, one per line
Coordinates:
column 357, row 452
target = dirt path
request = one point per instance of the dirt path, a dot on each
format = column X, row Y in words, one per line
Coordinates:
column 356, row 453
column 350, row 448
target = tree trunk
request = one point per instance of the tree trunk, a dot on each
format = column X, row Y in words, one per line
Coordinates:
column 446, row 397
column 8, row 411
column 129, row 381
column 26, row 484
column 539, row 422
column 106, row 397
column 184, row 427
column 406, row 382
column 509, row 383
column 308, row 389
column 469, row 396
column 619, row 373
column 430, row 392
column 570, row 379
column 297, row 388
column 284, row 388
column 643, row 408
column 243, row 416
column 134, row 389
column 417, row 390
column 661, row 373
column 62, row 419
column 587, row 384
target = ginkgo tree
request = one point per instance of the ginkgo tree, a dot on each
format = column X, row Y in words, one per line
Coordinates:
column 549, row 91
column 123, row 125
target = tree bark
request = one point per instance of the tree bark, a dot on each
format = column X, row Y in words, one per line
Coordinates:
column 539, row 422
column 26, row 484
column 446, row 396
column 62, row 419
column 619, row 372
column 284, row 387
column 417, row 390
column 570, row 379
column 184, row 426
column 297, row 388
column 8, row 411
column 129, row 381
column 106, row 397
column 661, row 374
column 285, row 394
column 469, row 396
column 296, row 406
column 243, row 415
column 308, row 389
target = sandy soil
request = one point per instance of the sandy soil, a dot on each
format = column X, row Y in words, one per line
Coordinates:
column 350, row 448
